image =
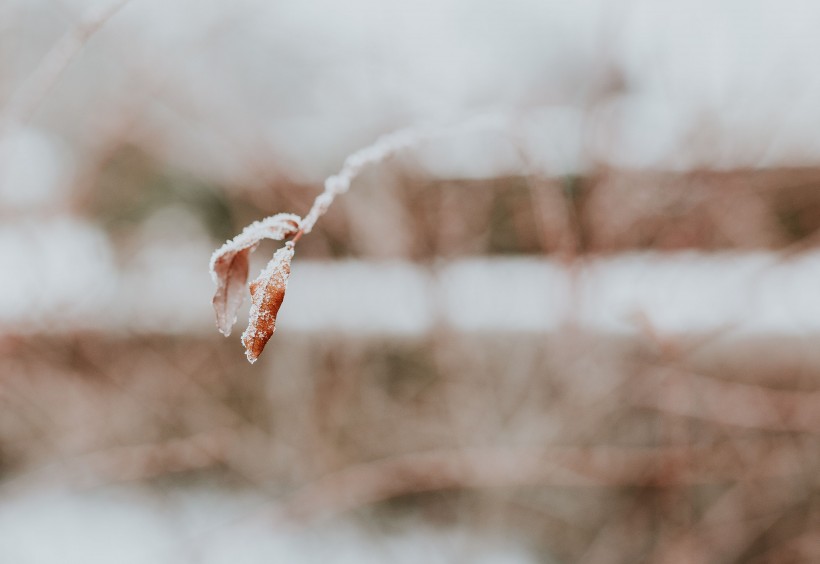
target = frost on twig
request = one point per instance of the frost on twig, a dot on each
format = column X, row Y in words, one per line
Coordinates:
column 229, row 264
column 267, row 293
column 385, row 147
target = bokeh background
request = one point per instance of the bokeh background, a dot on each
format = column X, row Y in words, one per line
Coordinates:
column 587, row 332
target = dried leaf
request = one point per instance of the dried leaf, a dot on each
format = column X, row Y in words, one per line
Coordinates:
column 267, row 293
column 232, row 274
column 229, row 264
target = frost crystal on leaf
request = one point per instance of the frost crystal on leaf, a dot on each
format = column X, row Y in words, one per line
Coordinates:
column 267, row 293
column 229, row 264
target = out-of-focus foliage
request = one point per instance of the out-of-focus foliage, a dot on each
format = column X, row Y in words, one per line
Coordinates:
column 585, row 335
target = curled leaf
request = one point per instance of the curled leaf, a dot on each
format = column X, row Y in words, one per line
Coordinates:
column 229, row 264
column 231, row 270
column 267, row 293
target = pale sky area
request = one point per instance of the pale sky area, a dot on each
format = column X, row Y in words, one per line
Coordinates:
column 228, row 88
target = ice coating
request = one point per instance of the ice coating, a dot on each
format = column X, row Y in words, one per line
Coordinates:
column 383, row 148
column 267, row 294
column 276, row 227
column 229, row 265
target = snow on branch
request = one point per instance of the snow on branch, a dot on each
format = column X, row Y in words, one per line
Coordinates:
column 229, row 263
column 384, row 148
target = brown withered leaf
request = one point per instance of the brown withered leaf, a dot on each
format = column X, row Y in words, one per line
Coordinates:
column 229, row 264
column 232, row 274
column 267, row 293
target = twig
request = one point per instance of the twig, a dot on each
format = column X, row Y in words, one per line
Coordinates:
column 383, row 148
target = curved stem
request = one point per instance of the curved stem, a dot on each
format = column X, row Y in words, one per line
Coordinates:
column 385, row 147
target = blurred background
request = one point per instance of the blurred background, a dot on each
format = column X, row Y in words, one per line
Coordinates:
column 587, row 332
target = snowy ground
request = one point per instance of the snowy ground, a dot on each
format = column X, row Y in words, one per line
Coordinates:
column 63, row 277
column 135, row 526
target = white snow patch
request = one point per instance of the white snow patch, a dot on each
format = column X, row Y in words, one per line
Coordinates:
column 34, row 168
column 60, row 275
column 55, row 271
column 137, row 526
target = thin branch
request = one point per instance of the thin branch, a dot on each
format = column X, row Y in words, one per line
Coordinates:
column 36, row 86
column 382, row 149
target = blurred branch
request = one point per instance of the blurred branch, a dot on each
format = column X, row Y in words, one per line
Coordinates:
column 472, row 468
column 717, row 531
column 36, row 86
column 731, row 403
column 132, row 462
